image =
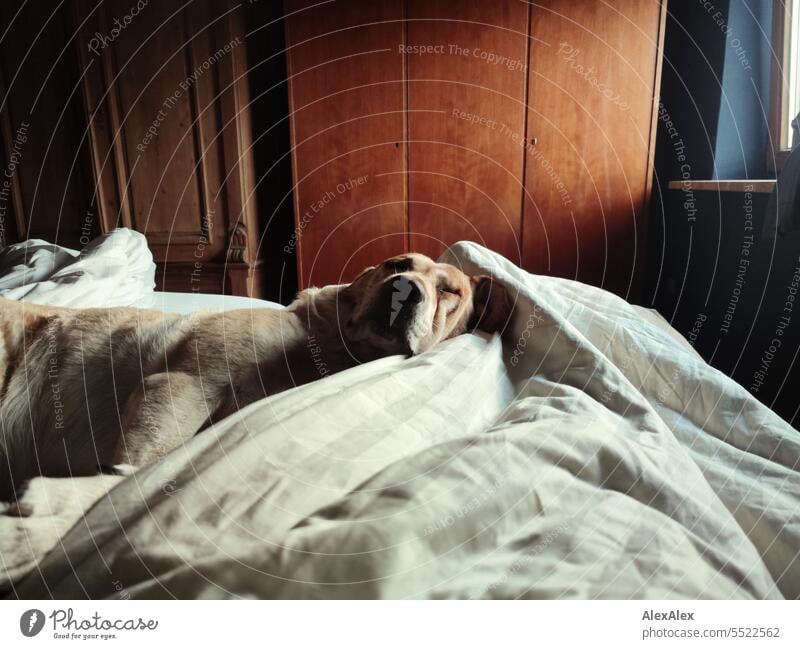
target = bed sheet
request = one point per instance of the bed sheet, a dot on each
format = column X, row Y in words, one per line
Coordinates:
column 185, row 303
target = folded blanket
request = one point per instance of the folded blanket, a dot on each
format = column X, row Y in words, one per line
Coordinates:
column 115, row 269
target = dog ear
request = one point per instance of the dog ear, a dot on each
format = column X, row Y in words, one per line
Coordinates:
column 491, row 305
column 364, row 272
column 350, row 295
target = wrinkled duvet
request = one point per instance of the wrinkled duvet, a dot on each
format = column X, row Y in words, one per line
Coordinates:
column 590, row 453
column 116, row 269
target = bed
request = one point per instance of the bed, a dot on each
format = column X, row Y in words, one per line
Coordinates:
column 589, row 452
column 184, row 303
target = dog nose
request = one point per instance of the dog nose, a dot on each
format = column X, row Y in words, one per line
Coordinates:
column 403, row 292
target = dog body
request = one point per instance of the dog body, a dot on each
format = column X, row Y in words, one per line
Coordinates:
column 86, row 388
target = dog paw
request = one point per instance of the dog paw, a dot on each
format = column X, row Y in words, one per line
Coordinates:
column 123, row 470
column 18, row 509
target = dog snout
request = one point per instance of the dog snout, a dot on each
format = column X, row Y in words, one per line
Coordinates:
column 402, row 293
column 406, row 289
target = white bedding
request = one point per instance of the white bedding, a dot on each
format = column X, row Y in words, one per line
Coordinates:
column 593, row 454
column 115, row 269
column 190, row 302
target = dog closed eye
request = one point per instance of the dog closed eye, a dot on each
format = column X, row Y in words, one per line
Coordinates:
column 448, row 289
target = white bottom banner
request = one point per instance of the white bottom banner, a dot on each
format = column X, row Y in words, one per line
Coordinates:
column 400, row 624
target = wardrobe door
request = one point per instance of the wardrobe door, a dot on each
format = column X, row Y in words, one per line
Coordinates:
column 593, row 85
column 167, row 109
column 347, row 105
column 466, row 97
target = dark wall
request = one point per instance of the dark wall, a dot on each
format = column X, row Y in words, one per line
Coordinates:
column 743, row 126
column 726, row 288
column 715, row 90
column 272, row 150
column 711, row 273
column 47, row 186
column 691, row 91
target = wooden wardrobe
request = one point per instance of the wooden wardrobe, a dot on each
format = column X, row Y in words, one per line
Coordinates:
column 134, row 114
column 527, row 127
column 167, row 107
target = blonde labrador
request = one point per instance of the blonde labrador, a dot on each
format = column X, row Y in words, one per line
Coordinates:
column 88, row 388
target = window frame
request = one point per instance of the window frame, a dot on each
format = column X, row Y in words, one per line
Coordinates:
column 780, row 132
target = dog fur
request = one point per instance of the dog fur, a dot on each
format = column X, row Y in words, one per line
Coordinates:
column 88, row 388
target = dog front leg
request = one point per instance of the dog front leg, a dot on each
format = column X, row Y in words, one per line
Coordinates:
column 166, row 411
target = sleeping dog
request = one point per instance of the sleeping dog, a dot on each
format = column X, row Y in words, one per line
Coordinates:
column 87, row 388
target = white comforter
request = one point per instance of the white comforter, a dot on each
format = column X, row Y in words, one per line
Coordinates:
column 115, row 269
column 594, row 454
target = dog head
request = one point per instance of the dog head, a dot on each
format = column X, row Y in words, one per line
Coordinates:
column 409, row 303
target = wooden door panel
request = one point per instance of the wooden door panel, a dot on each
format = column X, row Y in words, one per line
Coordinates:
column 156, row 90
column 466, row 96
column 592, row 87
column 167, row 103
column 163, row 179
column 347, row 103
